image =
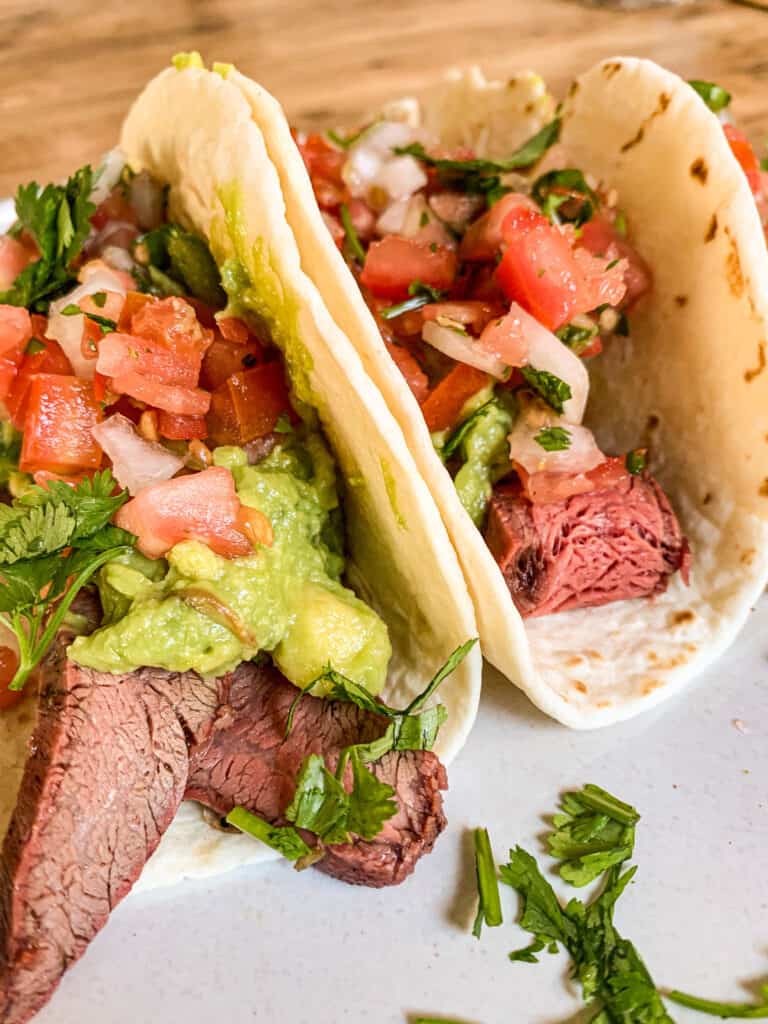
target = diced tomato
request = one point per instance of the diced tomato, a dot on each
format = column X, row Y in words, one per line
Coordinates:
column 394, row 263
column 114, row 207
column 322, row 159
column 120, row 354
column 91, row 339
column 48, row 359
column 14, row 257
column 249, row 404
column 542, row 272
column 8, row 371
column 224, row 358
column 15, row 329
column 328, row 194
column 443, row 405
column 173, row 322
column 178, row 400
column 601, row 238
column 61, row 412
column 9, row 662
column 134, row 301
column 234, row 329
column 111, row 307
column 363, row 218
column 415, row 377
column 742, row 149
column 43, row 476
column 181, row 428
column 201, row 506
column 505, row 338
column 545, row 488
column 482, row 240
column 471, row 313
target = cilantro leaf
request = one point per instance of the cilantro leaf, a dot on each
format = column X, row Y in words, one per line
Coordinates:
column 457, row 436
column 553, row 390
column 553, row 439
column 594, row 832
column 488, row 900
column 576, row 337
column 58, row 219
column 371, row 802
column 556, row 189
column 636, row 461
column 320, row 802
column 714, row 96
column 726, row 1011
column 542, row 914
column 421, row 295
column 285, row 839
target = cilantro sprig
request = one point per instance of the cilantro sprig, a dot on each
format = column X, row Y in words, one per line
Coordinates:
column 558, row 191
column 484, row 176
column 488, row 899
column 52, row 541
column 421, row 295
column 715, row 96
column 553, row 439
column 57, row 217
column 321, row 803
column 352, row 244
column 739, row 1011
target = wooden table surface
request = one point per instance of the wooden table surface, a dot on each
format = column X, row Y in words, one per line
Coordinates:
column 68, row 71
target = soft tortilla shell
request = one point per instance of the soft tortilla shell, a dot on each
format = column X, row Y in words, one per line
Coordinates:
column 690, row 372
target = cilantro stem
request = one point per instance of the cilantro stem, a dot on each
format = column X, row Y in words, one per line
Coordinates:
column 600, row 800
column 32, row 650
column 451, row 664
column 489, row 900
column 723, row 1010
column 353, row 241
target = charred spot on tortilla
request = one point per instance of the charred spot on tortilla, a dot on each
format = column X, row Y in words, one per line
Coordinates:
column 748, row 556
column 733, row 271
column 573, row 88
column 681, row 617
column 661, row 106
column 712, row 229
column 763, row 491
column 650, row 685
column 699, row 170
column 611, row 68
column 681, row 300
column 652, row 422
column 749, row 375
column 574, row 660
column 707, row 498
column 581, row 687
column 529, row 108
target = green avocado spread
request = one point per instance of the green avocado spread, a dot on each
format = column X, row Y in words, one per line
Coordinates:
column 208, row 613
column 485, row 453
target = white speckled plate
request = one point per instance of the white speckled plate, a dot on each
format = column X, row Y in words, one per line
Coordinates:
column 269, row 945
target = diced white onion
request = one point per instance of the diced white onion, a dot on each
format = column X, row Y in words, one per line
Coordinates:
column 547, row 352
column 371, row 162
column 68, row 330
column 392, row 220
column 462, row 348
column 581, row 456
column 136, row 463
column 108, row 175
column 118, row 258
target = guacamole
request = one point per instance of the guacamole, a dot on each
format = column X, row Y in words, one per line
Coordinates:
column 208, row 613
column 485, row 452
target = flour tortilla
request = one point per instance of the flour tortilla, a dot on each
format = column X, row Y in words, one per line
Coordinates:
column 691, row 379
column 193, row 130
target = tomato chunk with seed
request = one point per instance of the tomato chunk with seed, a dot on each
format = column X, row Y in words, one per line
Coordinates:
column 61, row 413
column 134, row 301
column 224, row 358
column 181, row 428
column 49, row 358
column 201, row 506
column 249, row 404
column 120, row 354
column 394, row 263
column 173, row 322
column 15, row 329
column 601, row 238
column 321, row 158
column 443, row 405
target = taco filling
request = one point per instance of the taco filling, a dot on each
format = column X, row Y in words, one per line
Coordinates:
column 493, row 285
column 153, row 446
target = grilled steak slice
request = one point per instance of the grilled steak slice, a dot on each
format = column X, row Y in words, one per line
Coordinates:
column 111, row 759
column 249, row 762
column 105, row 776
column 609, row 544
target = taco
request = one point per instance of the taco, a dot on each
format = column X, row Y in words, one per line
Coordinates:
column 223, row 573
column 496, row 261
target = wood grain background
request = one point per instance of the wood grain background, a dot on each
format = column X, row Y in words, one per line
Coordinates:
column 69, row 70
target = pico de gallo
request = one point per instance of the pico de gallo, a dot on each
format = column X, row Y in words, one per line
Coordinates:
column 130, row 384
column 493, row 283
